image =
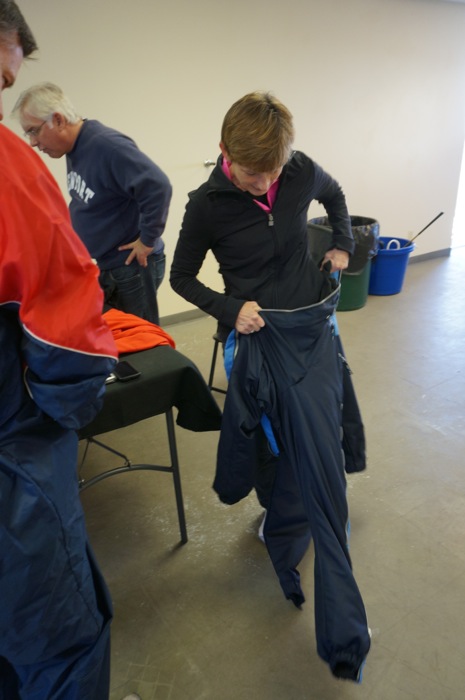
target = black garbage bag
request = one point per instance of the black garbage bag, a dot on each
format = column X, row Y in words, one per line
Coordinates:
column 366, row 236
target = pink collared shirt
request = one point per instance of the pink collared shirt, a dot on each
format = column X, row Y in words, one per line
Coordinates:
column 270, row 195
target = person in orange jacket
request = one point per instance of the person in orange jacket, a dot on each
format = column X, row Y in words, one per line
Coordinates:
column 55, row 610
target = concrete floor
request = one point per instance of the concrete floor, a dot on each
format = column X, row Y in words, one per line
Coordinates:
column 208, row 620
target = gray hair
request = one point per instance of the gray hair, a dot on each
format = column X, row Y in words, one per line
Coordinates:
column 43, row 100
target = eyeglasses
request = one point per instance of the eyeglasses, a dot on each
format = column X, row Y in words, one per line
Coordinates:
column 34, row 131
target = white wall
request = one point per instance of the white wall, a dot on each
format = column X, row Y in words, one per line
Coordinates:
column 376, row 88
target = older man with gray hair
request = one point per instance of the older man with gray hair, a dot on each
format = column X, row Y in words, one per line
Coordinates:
column 119, row 196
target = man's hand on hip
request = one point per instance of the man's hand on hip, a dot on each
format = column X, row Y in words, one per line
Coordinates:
column 138, row 250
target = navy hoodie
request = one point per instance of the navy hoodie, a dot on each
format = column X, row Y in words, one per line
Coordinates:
column 117, row 194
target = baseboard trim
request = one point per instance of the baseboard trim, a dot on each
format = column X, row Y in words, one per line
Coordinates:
column 181, row 317
column 444, row 253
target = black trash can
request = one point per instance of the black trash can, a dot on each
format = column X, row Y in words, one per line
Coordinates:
column 356, row 279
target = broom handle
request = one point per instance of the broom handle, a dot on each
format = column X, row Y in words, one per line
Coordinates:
column 424, row 229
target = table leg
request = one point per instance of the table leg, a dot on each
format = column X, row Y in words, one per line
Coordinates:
column 176, row 475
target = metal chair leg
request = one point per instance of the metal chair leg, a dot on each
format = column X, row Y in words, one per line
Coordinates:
column 216, row 344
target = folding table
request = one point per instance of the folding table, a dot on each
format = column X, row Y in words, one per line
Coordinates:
column 168, row 379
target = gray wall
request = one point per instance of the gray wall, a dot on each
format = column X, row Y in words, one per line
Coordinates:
column 376, row 88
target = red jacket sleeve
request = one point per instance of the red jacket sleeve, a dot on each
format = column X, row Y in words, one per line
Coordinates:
column 48, row 278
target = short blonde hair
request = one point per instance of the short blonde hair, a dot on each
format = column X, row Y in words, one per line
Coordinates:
column 258, row 132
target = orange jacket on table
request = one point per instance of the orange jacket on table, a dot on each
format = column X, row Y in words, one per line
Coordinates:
column 132, row 333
